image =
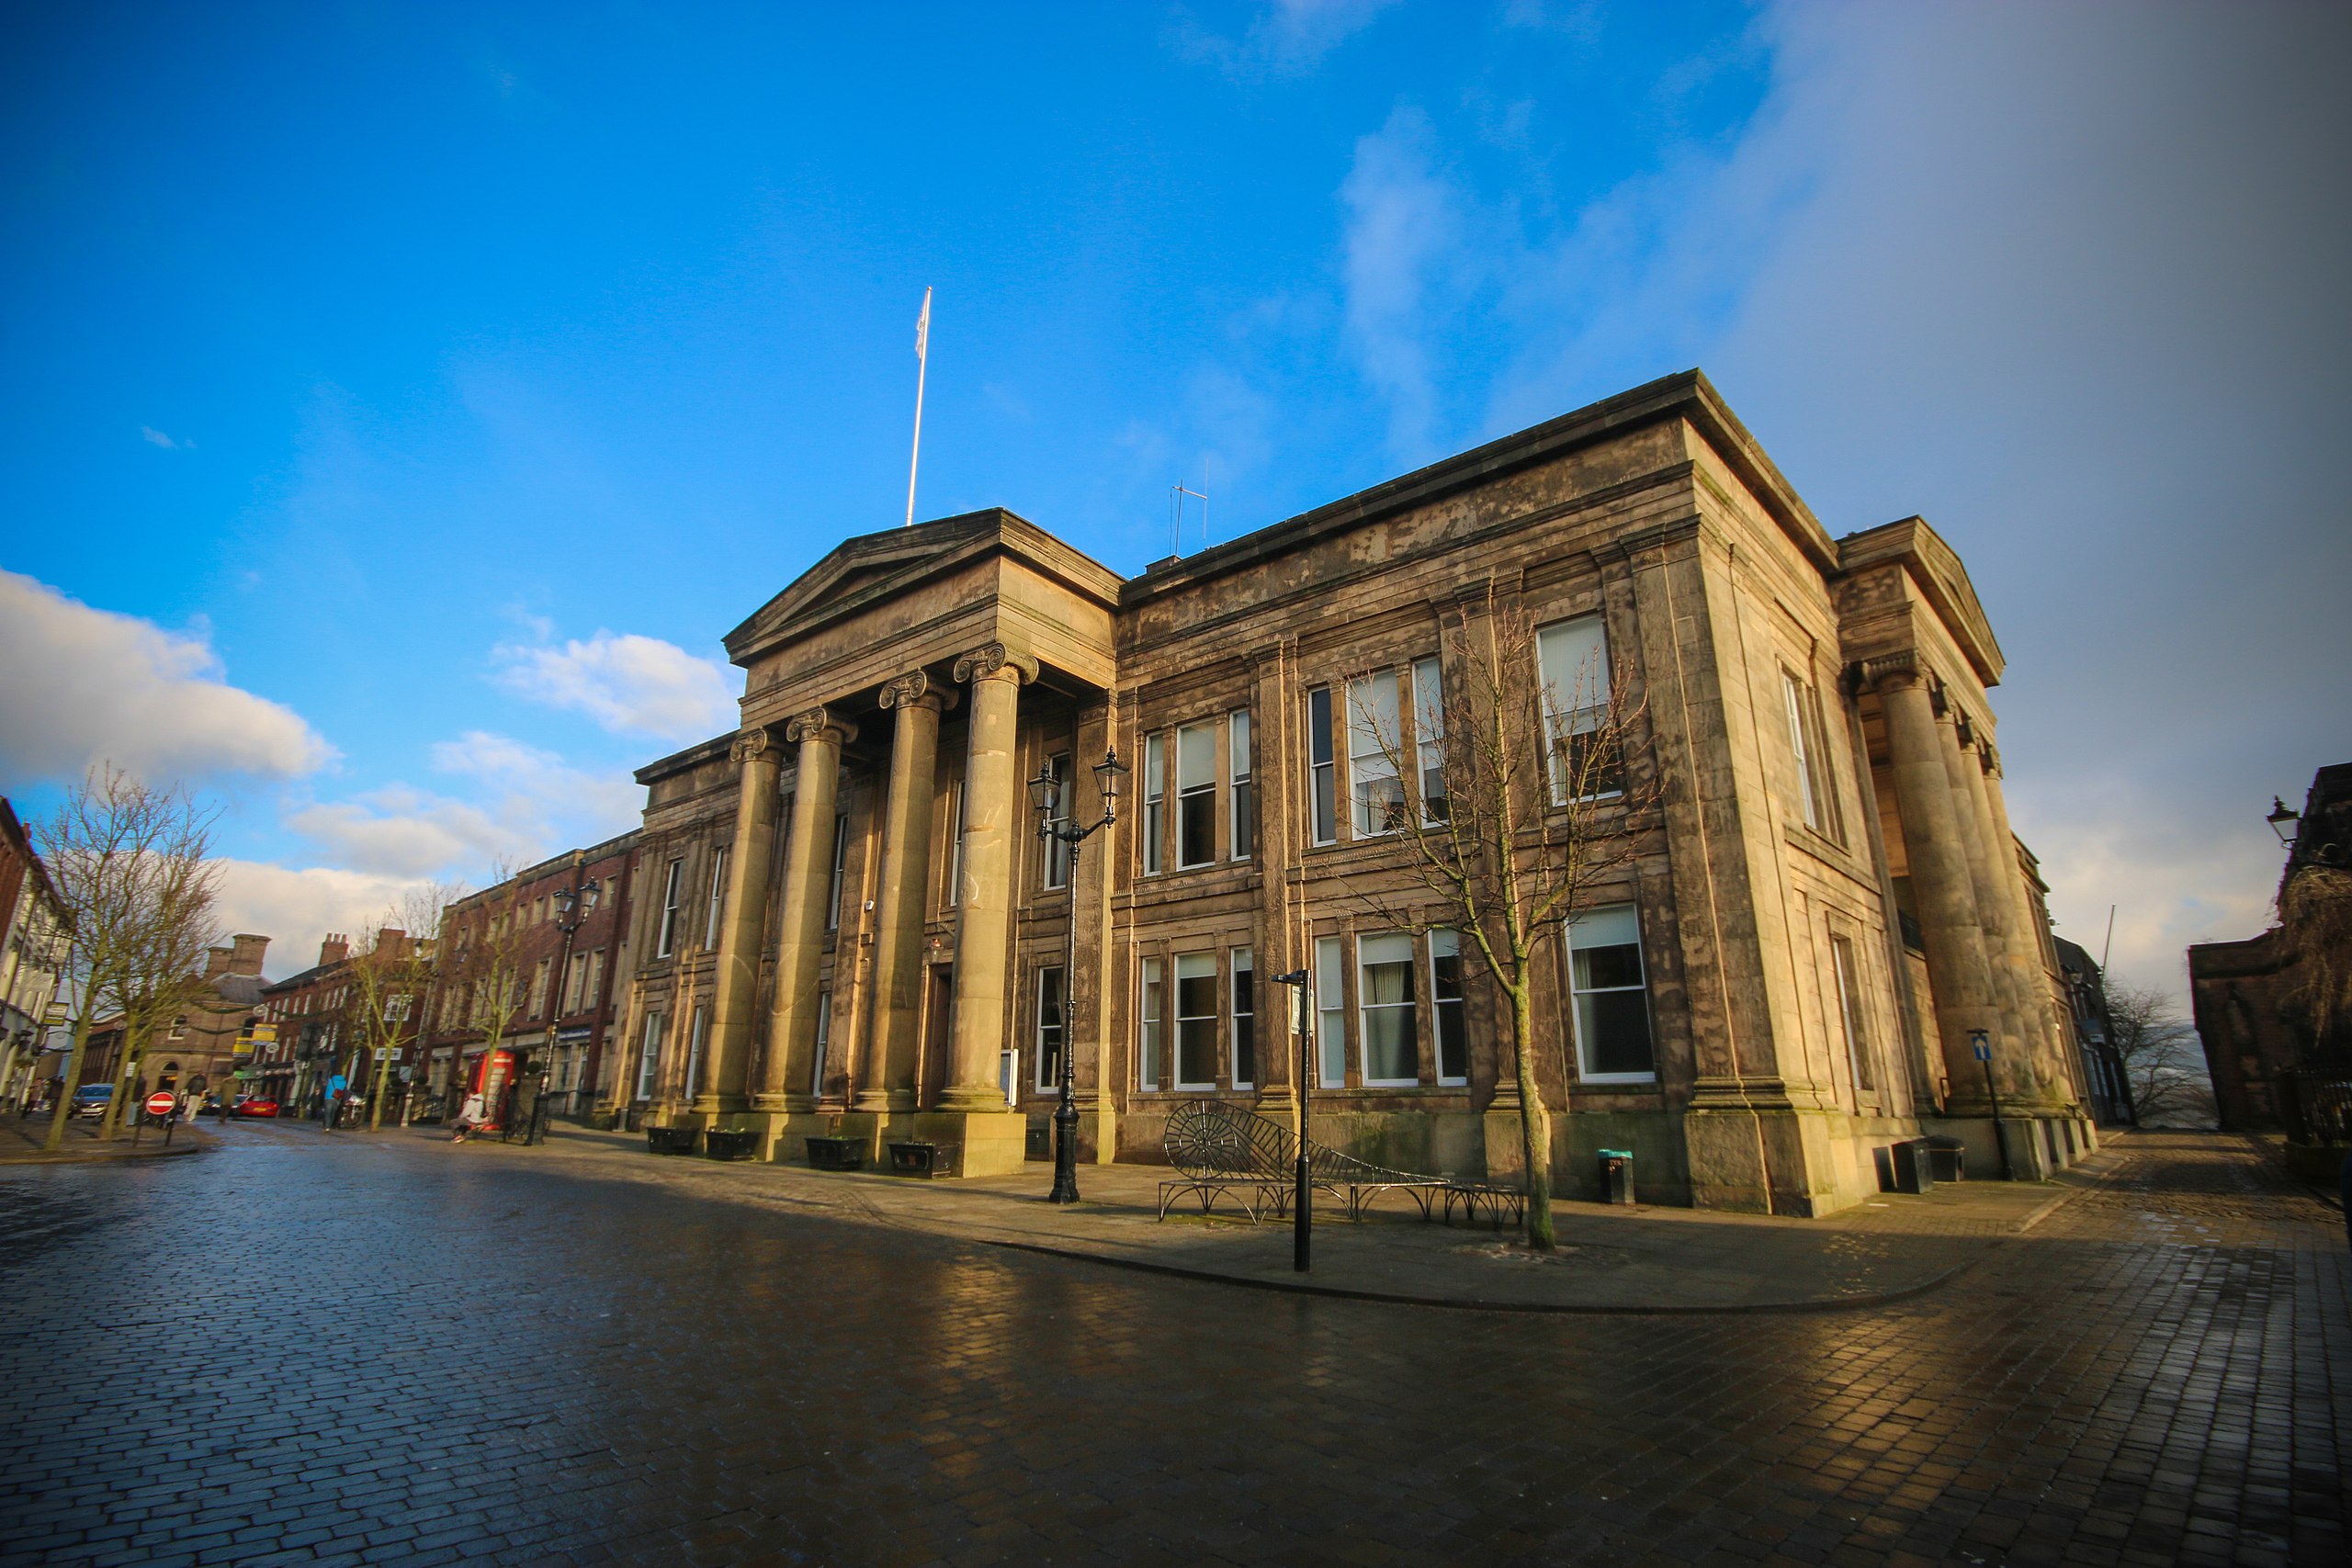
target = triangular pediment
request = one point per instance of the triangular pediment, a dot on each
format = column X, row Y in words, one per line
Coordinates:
column 872, row 567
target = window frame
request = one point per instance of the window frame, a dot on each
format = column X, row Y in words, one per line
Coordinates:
column 649, row 1058
column 1151, row 1028
column 666, row 922
column 1365, row 1006
column 1429, row 737
column 1209, row 1019
column 824, row 1041
column 840, row 883
column 1049, row 1082
column 1845, row 968
column 1242, row 1015
column 1240, row 785
column 1054, row 851
column 1584, row 1073
column 1561, row 724
column 1442, row 1006
column 1330, row 1012
column 717, row 913
column 697, row 1039
column 1322, row 770
column 1154, row 828
column 1368, row 769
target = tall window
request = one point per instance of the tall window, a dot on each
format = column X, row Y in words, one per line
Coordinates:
column 595, row 977
column 575, row 996
column 649, row 1055
column 1322, row 791
column 1149, row 1044
column 954, row 848
column 1155, row 804
column 539, row 987
column 1049, row 1027
column 1244, row 1018
column 1197, row 794
column 824, row 1043
column 1574, row 658
column 1243, row 804
column 1613, row 1008
column 1429, row 737
column 840, row 868
column 1057, row 848
column 1814, row 795
column 1196, row 1021
column 1330, row 1014
column 717, row 898
column 1452, row 1010
column 1372, row 741
column 1385, row 998
column 1849, row 1011
column 696, row 1026
column 666, row 937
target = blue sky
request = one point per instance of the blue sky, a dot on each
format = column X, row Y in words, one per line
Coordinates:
column 405, row 398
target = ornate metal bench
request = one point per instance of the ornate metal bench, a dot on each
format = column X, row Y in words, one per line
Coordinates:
column 1225, row 1151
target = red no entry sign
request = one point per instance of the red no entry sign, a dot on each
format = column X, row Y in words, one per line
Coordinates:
column 160, row 1104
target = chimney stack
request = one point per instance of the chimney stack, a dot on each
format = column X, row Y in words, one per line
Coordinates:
column 335, row 950
column 216, row 962
column 247, row 952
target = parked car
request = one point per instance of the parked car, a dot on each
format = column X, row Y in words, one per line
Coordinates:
column 91, row 1098
column 254, row 1105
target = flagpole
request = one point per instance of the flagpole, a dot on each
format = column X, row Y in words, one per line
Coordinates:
column 923, row 360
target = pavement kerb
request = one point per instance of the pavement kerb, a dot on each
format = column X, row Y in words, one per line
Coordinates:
column 2084, row 1176
column 1558, row 1309
column 190, row 1142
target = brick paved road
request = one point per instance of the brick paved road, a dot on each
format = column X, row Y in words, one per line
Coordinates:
column 562, row 1370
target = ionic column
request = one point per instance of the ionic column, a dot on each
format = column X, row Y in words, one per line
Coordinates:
column 886, row 1068
column 735, row 980
column 2012, row 1064
column 1958, row 970
column 984, row 907
column 2038, row 1010
column 801, row 924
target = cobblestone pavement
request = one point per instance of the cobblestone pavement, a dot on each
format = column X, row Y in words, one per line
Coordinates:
column 306, row 1347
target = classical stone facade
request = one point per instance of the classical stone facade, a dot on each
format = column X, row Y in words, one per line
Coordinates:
column 1821, row 917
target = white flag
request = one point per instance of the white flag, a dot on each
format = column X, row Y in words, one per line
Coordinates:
column 922, row 328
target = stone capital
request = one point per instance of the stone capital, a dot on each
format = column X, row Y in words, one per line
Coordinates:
column 1989, row 758
column 1892, row 671
column 818, row 723
column 749, row 747
column 993, row 660
column 917, row 689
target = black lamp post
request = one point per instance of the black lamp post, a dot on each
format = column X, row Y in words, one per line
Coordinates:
column 2284, row 821
column 573, row 907
column 1302, row 1216
column 1046, row 793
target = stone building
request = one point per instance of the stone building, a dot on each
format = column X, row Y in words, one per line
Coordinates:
column 2279, row 1054
column 32, row 934
column 315, row 1023
column 209, row 1040
column 553, row 935
column 863, row 934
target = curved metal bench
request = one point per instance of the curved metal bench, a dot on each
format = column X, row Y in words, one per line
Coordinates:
column 1227, row 1151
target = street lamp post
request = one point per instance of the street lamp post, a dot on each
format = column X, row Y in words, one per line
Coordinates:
column 1046, row 793
column 1302, row 1215
column 573, row 907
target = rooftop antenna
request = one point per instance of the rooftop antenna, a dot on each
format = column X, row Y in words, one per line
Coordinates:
column 922, row 358
column 1176, row 516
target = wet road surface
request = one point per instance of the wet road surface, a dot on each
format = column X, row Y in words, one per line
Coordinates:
column 310, row 1349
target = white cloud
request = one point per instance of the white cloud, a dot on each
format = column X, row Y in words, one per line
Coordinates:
column 295, row 907
column 1288, row 37
column 627, row 683
column 1402, row 241
column 79, row 685
column 154, row 437
column 532, row 803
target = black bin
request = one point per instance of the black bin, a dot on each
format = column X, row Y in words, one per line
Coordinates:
column 720, row 1143
column 1617, row 1176
column 669, row 1140
column 1908, row 1170
column 920, row 1159
column 1947, row 1158
column 836, row 1154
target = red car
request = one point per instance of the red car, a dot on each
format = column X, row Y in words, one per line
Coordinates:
column 256, row 1107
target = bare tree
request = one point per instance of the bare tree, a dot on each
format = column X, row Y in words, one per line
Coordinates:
column 1511, row 803
column 132, row 866
column 2162, row 1061
column 391, row 973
